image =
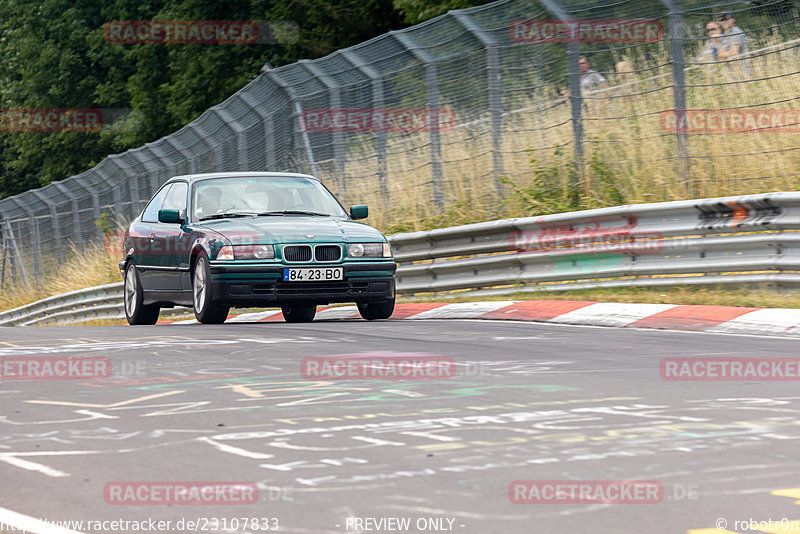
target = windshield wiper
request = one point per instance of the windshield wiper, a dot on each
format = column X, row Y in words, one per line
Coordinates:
column 227, row 215
column 293, row 212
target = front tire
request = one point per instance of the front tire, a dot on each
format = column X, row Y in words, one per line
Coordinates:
column 299, row 314
column 206, row 309
column 135, row 311
column 376, row 310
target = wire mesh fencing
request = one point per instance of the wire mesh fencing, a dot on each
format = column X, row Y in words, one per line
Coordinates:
column 517, row 107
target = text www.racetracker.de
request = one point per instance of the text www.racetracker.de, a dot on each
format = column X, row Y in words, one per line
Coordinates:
column 150, row 525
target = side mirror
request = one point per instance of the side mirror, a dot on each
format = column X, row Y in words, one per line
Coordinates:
column 359, row 212
column 169, row 216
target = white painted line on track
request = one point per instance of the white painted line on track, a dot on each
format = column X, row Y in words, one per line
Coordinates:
column 24, row 523
column 32, row 466
column 223, row 447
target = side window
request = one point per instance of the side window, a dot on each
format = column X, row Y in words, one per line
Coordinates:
column 176, row 198
column 150, row 213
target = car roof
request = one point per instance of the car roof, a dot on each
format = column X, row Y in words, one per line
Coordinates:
column 240, row 174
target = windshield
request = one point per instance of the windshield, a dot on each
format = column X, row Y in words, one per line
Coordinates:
column 258, row 195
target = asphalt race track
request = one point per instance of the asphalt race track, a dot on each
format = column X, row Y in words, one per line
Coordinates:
column 530, row 402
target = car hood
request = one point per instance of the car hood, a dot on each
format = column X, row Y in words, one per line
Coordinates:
column 290, row 229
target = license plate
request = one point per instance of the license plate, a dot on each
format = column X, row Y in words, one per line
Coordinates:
column 313, row 275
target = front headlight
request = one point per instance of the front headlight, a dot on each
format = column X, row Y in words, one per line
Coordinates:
column 369, row 250
column 246, row 252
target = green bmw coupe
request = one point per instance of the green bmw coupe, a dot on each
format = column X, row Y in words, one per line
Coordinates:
column 245, row 239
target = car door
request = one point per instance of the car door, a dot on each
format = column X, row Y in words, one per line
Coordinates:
column 145, row 253
column 170, row 242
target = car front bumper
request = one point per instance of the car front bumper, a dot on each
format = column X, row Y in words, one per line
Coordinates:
column 261, row 285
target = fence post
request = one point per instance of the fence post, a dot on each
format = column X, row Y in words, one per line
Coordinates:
column 298, row 110
column 679, row 92
column 335, row 102
column 34, row 237
column 51, row 206
column 155, row 167
column 116, row 210
column 241, row 140
column 131, row 183
column 8, row 236
column 431, row 78
column 575, row 96
column 377, row 103
column 493, row 73
column 214, row 163
column 95, row 204
column 187, row 155
column 76, row 216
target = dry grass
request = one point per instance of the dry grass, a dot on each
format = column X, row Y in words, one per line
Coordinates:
column 629, row 157
column 95, row 266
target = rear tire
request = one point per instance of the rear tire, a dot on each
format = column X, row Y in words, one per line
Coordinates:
column 135, row 311
column 206, row 309
column 376, row 310
column 299, row 314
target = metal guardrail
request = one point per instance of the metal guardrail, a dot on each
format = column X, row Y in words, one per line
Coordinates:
column 746, row 239
column 99, row 302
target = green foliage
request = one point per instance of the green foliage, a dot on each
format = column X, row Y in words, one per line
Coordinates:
column 105, row 223
column 55, row 56
column 552, row 189
column 456, row 214
column 604, row 183
column 416, row 11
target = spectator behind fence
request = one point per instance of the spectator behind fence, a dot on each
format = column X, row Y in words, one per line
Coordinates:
column 711, row 48
column 591, row 80
column 734, row 40
column 734, row 43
